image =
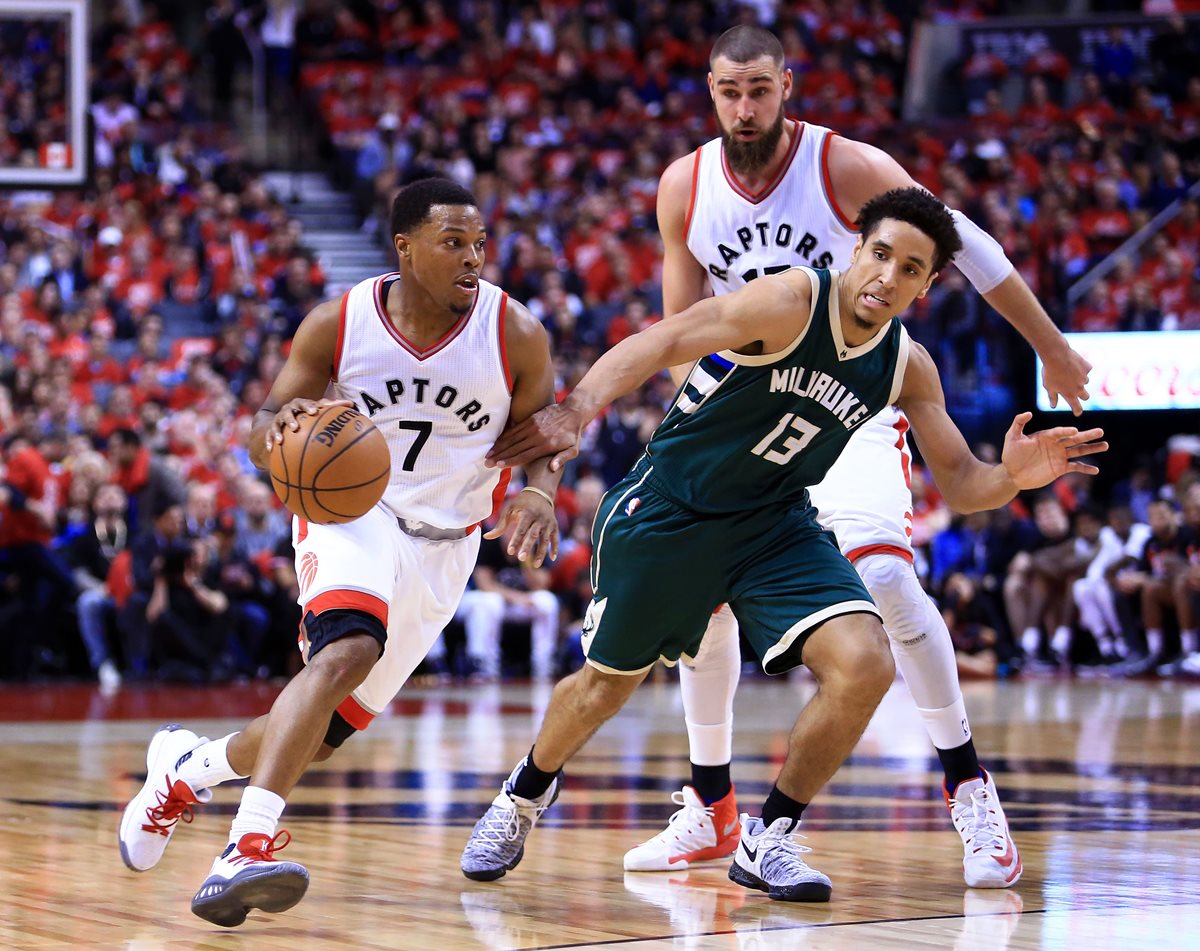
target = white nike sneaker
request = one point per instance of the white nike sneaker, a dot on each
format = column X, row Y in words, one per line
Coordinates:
column 769, row 859
column 990, row 857
column 695, row 833
column 246, row 876
column 150, row 818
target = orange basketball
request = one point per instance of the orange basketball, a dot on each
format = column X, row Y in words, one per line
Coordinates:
column 335, row 468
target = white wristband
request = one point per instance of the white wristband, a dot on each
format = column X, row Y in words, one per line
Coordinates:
column 542, row 492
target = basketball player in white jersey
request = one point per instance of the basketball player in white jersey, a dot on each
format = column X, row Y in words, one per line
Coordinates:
column 769, row 194
column 439, row 360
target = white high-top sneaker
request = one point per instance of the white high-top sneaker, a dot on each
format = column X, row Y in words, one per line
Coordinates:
column 990, row 857
column 151, row 816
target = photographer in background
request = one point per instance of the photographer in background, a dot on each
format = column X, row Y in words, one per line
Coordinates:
column 91, row 554
column 184, row 615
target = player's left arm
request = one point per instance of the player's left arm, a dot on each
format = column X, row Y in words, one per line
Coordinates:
column 529, row 516
column 772, row 311
column 859, row 172
column 1028, row 461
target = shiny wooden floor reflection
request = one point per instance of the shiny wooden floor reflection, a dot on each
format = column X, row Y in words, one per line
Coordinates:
column 1100, row 782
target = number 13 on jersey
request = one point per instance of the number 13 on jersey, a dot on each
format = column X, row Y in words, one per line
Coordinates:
column 779, row 450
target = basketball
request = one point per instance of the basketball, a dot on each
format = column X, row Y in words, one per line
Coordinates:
column 334, row 469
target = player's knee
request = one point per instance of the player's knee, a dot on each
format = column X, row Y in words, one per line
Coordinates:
column 323, row 753
column 344, row 664
column 901, row 600
column 860, row 663
column 603, row 693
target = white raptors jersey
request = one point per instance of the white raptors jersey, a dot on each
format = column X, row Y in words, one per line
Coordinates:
column 738, row 236
column 865, row 498
column 440, row 408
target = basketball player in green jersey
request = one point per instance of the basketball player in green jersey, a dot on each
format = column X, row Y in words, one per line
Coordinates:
column 717, row 510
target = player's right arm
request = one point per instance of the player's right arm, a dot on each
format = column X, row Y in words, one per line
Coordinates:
column 1028, row 461
column 301, row 383
column 684, row 281
column 772, row 311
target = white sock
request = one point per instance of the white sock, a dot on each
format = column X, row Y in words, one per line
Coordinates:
column 259, row 812
column 208, row 765
column 1060, row 643
column 1031, row 637
column 1154, row 641
column 1190, row 640
column 948, row 727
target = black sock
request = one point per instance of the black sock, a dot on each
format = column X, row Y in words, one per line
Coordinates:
column 960, row 764
column 711, row 782
column 779, row 805
column 531, row 782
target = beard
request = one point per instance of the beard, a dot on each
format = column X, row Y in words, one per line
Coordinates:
column 748, row 157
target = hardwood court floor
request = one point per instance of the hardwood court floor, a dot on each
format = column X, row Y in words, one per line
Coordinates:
column 1100, row 782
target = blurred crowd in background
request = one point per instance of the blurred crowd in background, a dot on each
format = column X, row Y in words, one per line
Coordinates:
column 143, row 317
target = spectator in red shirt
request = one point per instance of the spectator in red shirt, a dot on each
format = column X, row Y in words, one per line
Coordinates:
column 1107, row 224
column 27, row 506
column 147, row 480
column 1093, row 113
column 1097, row 312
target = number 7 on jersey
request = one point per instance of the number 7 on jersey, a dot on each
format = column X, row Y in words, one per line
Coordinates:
column 422, row 428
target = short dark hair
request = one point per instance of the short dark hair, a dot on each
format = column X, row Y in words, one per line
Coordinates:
column 412, row 203
column 920, row 209
column 126, row 437
column 743, row 44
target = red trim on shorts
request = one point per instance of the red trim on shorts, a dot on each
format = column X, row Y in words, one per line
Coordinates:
column 901, row 427
column 828, row 183
column 337, row 352
column 687, row 220
column 774, row 183
column 349, row 601
column 353, row 713
column 883, row 548
column 301, row 529
column 498, row 495
column 502, row 320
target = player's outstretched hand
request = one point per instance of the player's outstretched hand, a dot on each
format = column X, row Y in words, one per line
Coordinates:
column 1037, row 459
column 286, row 418
column 533, row 529
column 553, row 429
column 1066, row 375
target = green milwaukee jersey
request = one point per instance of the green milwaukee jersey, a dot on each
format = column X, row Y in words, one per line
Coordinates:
column 747, row 432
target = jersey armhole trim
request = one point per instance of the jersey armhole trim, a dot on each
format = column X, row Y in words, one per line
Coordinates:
column 827, row 183
column 901, row 366
column 764, row 359
column 341, row 337
column 687, row 221
column 502, row 324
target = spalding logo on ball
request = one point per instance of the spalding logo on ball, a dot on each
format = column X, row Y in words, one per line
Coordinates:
column 334, row 469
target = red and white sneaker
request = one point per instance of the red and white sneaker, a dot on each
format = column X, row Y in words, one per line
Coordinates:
column 990, row 857
column 151, row 816
column 696, row 833
column 246, row 876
